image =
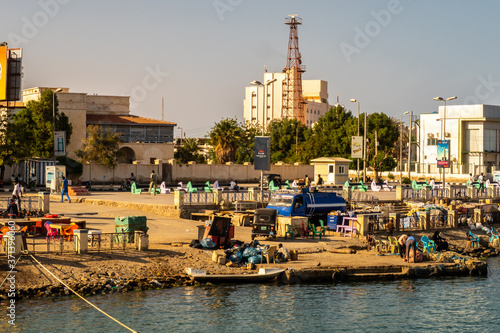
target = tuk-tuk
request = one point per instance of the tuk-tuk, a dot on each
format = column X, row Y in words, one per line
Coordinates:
column 264, row 223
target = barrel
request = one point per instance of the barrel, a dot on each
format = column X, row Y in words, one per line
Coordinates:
column 294, row 255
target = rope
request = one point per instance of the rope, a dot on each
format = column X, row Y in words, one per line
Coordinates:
column 74, row 292
column 10, row 272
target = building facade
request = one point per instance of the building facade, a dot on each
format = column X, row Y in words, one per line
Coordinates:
column 474, row 134
column 315, row 92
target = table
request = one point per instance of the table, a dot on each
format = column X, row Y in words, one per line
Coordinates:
column 61, row 227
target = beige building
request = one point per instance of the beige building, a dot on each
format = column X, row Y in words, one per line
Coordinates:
column 315, row 92
column 333, row 170
column 144, row 140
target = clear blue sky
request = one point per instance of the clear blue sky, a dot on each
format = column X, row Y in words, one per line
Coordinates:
column 393, row 56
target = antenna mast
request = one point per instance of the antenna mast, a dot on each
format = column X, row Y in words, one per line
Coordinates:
column 293, row 104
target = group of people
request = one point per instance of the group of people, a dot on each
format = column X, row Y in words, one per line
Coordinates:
column 307, row 181
column 408, row 243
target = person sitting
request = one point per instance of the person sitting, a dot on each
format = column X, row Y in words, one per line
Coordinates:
column 282, row 254
column 12, row 210
column 441, row 243
column 233, row 186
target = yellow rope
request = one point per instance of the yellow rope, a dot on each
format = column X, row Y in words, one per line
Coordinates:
column 82, row 296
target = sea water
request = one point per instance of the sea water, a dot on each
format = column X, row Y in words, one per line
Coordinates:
column 459, row 304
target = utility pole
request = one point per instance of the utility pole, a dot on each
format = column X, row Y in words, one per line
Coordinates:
column 409, row 145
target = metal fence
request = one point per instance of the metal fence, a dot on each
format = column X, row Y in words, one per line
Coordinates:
column 198, row 198
column 29, row 203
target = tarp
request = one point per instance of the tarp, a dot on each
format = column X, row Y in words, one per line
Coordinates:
column 130, row 224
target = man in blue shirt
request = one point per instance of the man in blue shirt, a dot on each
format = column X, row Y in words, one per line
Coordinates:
column 64, row 189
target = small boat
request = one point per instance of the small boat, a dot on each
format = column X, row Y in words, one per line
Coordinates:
column 264, row 275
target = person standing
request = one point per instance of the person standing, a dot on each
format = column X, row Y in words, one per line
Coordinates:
column 480, row 180
column 320, row 180
column 152, row 184
column 402, row 245
column 411, row 243
column 65, row 189
column 17, row 193
column 307, row 181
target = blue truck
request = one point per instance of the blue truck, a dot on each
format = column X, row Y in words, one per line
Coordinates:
column 311, row 204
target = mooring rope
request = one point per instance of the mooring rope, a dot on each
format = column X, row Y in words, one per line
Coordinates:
column 9, row 272
column 74, row 292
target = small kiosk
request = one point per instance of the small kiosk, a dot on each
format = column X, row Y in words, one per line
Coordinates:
column 53, row 177
column 333, row 170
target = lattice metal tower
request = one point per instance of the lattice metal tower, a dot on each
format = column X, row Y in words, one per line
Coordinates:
column 293, row 104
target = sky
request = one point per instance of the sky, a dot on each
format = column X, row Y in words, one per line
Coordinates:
column 199, row 55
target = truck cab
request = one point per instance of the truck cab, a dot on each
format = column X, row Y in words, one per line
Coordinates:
column 288, row 204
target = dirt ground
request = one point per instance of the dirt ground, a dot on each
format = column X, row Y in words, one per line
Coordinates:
column 169, row 254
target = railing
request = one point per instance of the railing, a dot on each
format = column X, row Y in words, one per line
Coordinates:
column 409, row 222
column 237, row 196
column 198, row 198
column 29, row 203
column 112, row 241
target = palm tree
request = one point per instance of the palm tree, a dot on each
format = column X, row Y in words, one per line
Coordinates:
column 224, row 138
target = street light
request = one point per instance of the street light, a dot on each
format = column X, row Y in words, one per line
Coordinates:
column 353, row 100
column 401, row 148
column 443, row 125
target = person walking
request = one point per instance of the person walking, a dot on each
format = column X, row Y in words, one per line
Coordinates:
column 17, row 193
column 152, row 184
column 65, row 189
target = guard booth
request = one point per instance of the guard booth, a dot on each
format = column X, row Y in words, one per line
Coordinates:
column 53, row 177
column 333, row 170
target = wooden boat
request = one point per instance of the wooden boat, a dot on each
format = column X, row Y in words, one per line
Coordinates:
column 264, row 275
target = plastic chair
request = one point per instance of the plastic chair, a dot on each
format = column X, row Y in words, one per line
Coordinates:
column 51, row 233
column 69, row 231
column 208, row 188
column 4, row 231
column 268, row 254
column 314, row 231
column 305, row 231
column 428, row 244
column 287, row 185
column 190, row 188
column 474, row 242
column 289, row 231
column 375, row 187
column 494, row 240
column 134, row 189
column 393, row 244
column 163, row 188
column 272, row 187
column 323, row 227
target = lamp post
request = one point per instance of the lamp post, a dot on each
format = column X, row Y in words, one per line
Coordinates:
column 353, row 100
column 264, row 114
column 401, row 148
column 364, row 147
column 180, row 143
column 443, row 125
column 409, row 145
column 54, row 126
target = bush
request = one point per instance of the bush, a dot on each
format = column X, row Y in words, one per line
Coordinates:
column 390, row 176
column 406, row 180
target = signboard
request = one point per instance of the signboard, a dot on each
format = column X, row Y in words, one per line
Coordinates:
column 262, row 156
column 443, row 153
column 60, row 143
column 3, row 73
column 356, row 147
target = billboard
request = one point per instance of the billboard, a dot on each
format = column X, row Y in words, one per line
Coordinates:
column 14, row 63
column 443, row 153
column 3, row 73
column 262, row 156
column 356, row 147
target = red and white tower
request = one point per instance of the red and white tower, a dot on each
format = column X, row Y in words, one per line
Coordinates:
column 293, row 105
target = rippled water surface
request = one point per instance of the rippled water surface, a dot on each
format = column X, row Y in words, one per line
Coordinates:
column 465, row 304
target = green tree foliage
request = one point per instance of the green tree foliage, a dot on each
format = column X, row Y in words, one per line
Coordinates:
column 387, row 135
column 189, row 151
column 246, row 145
column 331, row 136
column 100, row 146
column 225, row 137
column 285, row 133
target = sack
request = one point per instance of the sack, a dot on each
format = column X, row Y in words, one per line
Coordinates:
column 418, row 258
column 236, row 257
column 255, row 259
column 250, row 252
column 208, row 243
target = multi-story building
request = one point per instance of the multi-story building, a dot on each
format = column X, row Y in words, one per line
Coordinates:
column 315, row 93
column 474, row 133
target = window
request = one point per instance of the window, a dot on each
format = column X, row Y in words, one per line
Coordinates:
column 490, row 140
column 432, row 141
column 330, row 168
column 472, row 141
column 341, row 169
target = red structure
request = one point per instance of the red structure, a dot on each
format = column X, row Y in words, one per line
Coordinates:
column 293, row 104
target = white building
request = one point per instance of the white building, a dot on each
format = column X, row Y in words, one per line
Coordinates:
column 474, row 133
column 314, row 91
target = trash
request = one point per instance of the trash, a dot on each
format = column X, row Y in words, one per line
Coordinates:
column 208, row 243
column 250, row 252
column 255, row 259
column 236, row 257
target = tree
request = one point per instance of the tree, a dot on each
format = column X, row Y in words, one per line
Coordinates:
column 246, row 144
column 285, row 134
column 100, row 146
column 189, row 152
column 224, row 137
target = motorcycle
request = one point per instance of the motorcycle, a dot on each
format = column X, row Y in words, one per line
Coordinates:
column 126, row 185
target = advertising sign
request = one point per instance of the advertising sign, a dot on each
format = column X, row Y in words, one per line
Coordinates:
column 357, row 147
column 262, row 156
column 443, row 153
column 14, row 63
column 3, row 73
column 60, row 143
